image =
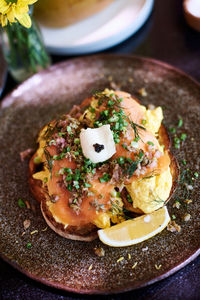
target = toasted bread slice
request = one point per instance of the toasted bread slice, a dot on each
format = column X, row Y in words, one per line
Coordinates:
column 88, row 232
column 85, row 233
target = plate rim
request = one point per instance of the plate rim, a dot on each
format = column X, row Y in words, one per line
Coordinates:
column 118, row 290
column 100, row 56
column 95, row 292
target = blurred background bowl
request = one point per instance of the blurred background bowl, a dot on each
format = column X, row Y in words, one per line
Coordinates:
column 61, row 13
column 192, row 13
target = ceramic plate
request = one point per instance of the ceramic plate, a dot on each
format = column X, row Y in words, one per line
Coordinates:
column 108, row 28
column 72, row 265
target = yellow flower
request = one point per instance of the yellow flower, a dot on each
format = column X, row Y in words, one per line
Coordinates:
column 15, row 10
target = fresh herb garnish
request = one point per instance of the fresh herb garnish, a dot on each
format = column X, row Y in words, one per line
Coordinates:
column 28, row 245
column 136, row 128
column 61, row 133
column 105, row 178
column 87, row 185
column 49, row 160
column 184, row 162
column 132, row 168
column 124, row 146
column 21, row 203
column 180, row 123
column 183, row 136
column 172, row 130
column 156, row 197
column 177, row 142
column 121, row 160
column 129, row 199
column 150, row 143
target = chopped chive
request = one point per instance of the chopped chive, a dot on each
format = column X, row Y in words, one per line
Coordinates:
column 21, row 203
column 124, row 146
column 183, row 136
column 69, row 187
column 176, row 140
column 87, row 184
column 129, row 199
column 56, row 157
column 136, row 139
column 184, row 162
column 92, row 109
column 52, row 142
column 61, row 133
column 110, row 103
column 141, row 154
column 196, row 174
column 67, row 170
column 120, row 160
column 150, row 143
column 66, row 149
column 28, row 245
column 180, row 123
column 68, row 177
column 105, row 178
column 177, row 146
column 172, row 130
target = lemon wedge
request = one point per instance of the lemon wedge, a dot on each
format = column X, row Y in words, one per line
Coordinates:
column 135, row 231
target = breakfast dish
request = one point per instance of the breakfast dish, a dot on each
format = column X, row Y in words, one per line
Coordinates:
column 27, row 242
column 107, row 158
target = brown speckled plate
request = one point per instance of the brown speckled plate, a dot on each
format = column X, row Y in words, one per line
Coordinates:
column 72, row 265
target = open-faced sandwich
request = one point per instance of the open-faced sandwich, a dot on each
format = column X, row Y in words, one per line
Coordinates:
column 107, row 160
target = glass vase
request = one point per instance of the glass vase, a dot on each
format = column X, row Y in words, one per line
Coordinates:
column 24, row 50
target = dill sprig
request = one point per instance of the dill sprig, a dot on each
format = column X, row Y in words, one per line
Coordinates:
column 185, row 180
column 115, row 209
column 149, row 175
column 132, row 167
column 156, row 199
column 135, row 127
column 49, row 160
column 51, row 129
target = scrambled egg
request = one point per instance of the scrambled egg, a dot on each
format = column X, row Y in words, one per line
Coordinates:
column 153, row 119
column 150, row 194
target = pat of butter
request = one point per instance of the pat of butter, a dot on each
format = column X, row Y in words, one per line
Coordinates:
column 97, row 143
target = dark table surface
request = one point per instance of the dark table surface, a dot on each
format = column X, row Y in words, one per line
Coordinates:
column 165, row 36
